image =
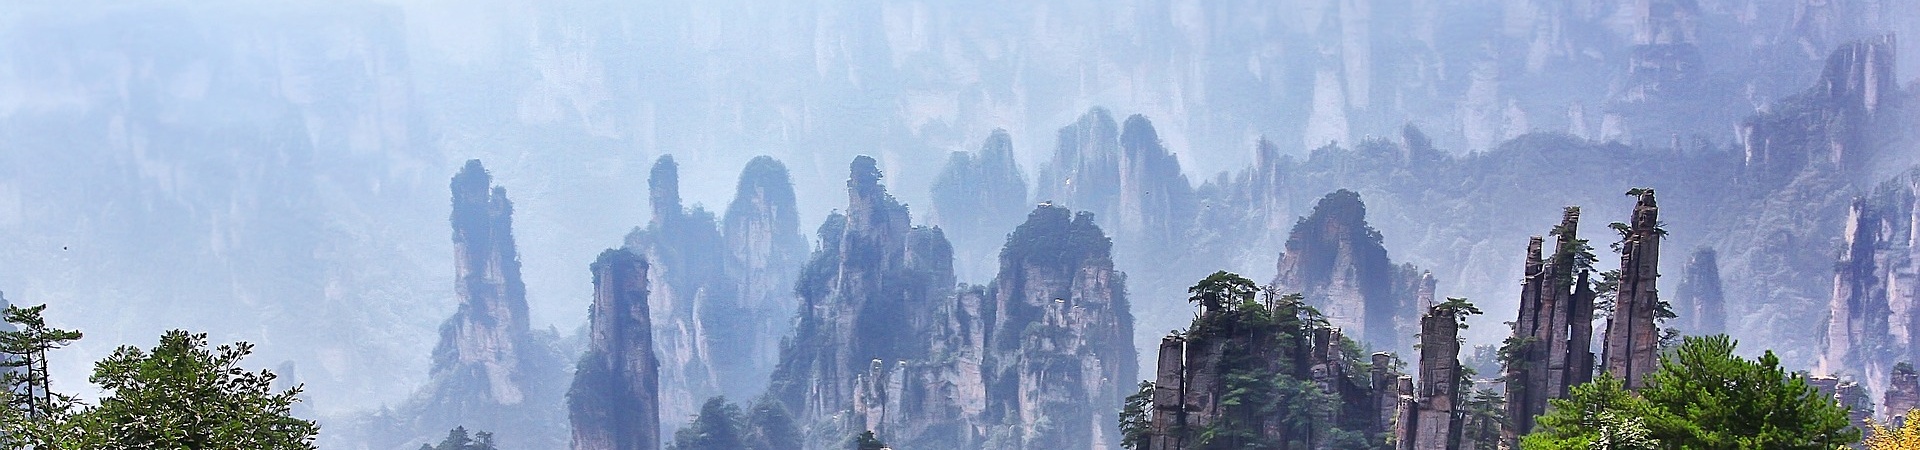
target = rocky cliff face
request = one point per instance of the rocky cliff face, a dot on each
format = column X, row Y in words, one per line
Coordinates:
column 765, row 251
column 1339, row 263
column 489, row 370
column 1699, row 300
column 1436, row 414
column 1633, row 331
column 1036, row 359
column 614, row 403
column 976, row 199
column 1123, row 174
column 1550, row 349
column 705, row 345
column 866, row 296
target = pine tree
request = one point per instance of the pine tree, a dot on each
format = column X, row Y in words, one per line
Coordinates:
column 25, row 358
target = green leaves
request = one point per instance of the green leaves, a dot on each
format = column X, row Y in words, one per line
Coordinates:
column 183, row 395
column 1703, row 397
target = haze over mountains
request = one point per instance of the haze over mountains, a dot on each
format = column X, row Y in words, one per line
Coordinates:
column 279, row 174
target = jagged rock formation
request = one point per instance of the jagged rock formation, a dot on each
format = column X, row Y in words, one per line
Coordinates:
column 614, row 401
column 1849, row 394
column 1699, row 301
column 1337, row 261
column 489, row 370
column 703, row 328
column 765, row 252
column 1874, row 308
column 1902, row 394
column 867, row 295
column 1550, row 350
column 1436, row 415
column 1272, row 343
column 1034, row 360
column 1633, row 332
column 1126, row 176
column 976, row 198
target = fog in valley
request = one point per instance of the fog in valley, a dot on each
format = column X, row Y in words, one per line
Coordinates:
column 859, row 212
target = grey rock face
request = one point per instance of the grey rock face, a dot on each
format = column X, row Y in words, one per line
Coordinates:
column 704, row 348
column 1338, row 262
column 1699, row 300
column 1633, row 332
column 489, row 370
column 614, row 401
column 1436, row 423
column 765, row 251
column 1552, row 337
column 1033, row 360
column 977, row 198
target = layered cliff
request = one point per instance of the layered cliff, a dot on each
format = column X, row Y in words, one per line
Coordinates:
column 1340, row 265
column 705, row 346
column 614, row 403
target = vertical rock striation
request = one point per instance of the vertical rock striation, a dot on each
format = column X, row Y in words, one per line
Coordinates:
column 614, row 401
column 765, row 251
column 1436, row 423
column 1550, row 350
column 1037, row 359
column 1699, row 301
column 704, row 337
column 1338, row 263
column 489, row 370
column 1633, row 333
column 867, row 295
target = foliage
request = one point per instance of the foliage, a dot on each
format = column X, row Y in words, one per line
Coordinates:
column 23, row 354
column 1460, row 308
column 179, row 395
column 866, row 441
column 1703, row 397
column 718, row 427
column 722, row 425
column 1222, row 289
column 183, row 395
column 1905, row 436
column 1485, row 417
column 457, row 439
column 1136, row 419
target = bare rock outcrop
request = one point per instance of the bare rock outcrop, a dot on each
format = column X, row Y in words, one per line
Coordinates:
column 765, row 252
column 489, row 370
column 1633, row 332
column 704, row 345
column 1339, row 264
column 978, row 197
column 614, row 402
column 1435, row 420
column 1550, row 349
column 1699, row 300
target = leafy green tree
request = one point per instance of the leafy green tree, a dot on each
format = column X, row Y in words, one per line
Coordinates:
column 1222, row 289
column 769, row 427
column 182, row 395
column 23, row 354
column 718, row 427
column 457, row 439
column 1703, row 397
